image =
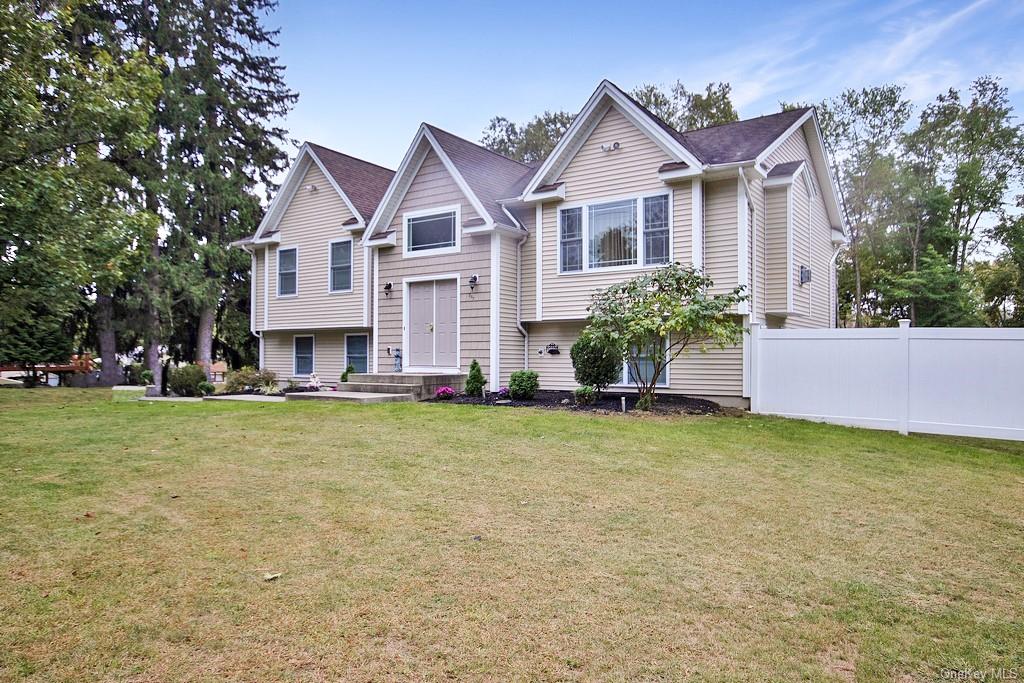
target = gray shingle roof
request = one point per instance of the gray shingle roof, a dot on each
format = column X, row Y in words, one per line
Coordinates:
column 784, row 169
column 729, row 142
column 491, row 176
column 364, row 183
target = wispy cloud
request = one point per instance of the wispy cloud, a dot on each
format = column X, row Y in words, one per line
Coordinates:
column 920, row 38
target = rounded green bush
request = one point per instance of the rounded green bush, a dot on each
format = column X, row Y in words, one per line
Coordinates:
column 185, row 381
column 523, row 384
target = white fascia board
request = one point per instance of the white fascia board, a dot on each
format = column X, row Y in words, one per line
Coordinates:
column 679, row 174
column 385, row 212
column 777, row 142
column 607, row 91
column 390, row 240
column 549, row 195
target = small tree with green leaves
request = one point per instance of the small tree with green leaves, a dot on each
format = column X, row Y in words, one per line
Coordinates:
column 652, row 319
column 475, row 381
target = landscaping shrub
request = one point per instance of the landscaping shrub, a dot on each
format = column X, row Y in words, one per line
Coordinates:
column 136, row 374
column 596, row 362
column 146, row 376
column 268, row 389
column 504, row 394
column 185, row 381
column 445, row 393
column 475, row 381
column 348, row 371
column 207, row 388
column 523, row 384
column 248, row 377
column 585, row 395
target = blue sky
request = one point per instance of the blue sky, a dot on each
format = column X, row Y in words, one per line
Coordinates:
column 369, row 73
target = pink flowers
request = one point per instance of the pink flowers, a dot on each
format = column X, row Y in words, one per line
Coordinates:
column 445, row 393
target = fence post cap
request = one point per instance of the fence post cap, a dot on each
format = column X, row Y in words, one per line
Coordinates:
column 904, row 322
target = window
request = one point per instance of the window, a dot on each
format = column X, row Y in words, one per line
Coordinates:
column 303, row 356
column 341, row 266
column 571, row 232
column 356, row 351
column 646, row 371
column 287, row 272
column 656, row 230
column 426, row 233
column 612, row 234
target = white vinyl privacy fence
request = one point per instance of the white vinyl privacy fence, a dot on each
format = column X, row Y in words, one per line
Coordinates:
column 961, row 381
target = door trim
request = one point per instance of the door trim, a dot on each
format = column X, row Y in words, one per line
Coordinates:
column 458, row 322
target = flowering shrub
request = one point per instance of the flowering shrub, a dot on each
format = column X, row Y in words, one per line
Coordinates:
column 445, row 393
column 504, row 394
column 313, row 383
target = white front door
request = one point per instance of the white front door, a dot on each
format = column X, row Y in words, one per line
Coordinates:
column 433, row 324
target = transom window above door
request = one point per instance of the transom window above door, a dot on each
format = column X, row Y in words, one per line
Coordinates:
column 608, row 235
column 431, row 232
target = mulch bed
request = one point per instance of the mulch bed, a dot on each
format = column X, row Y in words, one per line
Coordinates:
column 667, row 404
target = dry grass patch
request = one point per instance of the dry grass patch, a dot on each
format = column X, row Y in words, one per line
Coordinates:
column 434, row 541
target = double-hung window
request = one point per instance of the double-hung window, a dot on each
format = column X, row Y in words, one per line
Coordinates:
column 623, row 233
column 432, row 233
column 645, row 367
column 303, row 356
column 287, row 272
column 341, row 266
column 357, row 351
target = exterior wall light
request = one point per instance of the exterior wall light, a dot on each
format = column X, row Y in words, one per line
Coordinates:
column 473, row 279
column 387, row 288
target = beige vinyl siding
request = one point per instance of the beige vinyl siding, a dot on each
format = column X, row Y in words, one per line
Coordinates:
column 815, row 250
column 719, row 372
column 529, row 265
column 758, row 277
column 512, row 343
column 776, row 251
column 310, row 222
column 432, row 186
column 328, row 353
column 596, row 175
column 721, row 247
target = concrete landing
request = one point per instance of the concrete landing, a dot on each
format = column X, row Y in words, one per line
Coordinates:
column 349, row 396
column 255, row 398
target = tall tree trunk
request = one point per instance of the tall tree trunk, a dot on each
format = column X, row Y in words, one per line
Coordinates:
column 204, row 344
column 856, row 284
column 110, row 372
column 153, row 328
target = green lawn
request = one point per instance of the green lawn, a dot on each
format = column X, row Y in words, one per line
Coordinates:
column 425, row 542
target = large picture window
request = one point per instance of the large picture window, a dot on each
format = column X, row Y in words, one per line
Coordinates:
column 620, row 234
column 612, row 234
column 287, row 272
column 429, row 233
column 303, row 356
column 341, row 266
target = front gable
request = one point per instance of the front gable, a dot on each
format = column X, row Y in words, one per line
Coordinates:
column 615, row 159
column 314, row 210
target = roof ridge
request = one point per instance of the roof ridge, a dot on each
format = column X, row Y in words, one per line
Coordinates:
column 802, row 110
column 477, row 145
column 348, row 156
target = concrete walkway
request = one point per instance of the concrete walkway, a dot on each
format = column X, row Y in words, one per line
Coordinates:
column 349, row 396
column 255, row 398
column 170, row 399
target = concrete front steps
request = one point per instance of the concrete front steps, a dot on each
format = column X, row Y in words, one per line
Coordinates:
column 386, row 387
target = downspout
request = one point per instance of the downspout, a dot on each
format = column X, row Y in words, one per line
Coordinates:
column 519, row 299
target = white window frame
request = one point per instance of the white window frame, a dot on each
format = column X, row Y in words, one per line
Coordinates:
column 278, row 273
column 625, row 383
column 455, row 209
column 641, row 241
column 351, row 265
column 295, row 358
column 366, row 335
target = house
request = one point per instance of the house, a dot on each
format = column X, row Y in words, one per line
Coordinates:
column 464, row 254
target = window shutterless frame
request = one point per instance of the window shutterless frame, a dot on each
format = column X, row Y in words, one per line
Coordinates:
column 297, row 356
column 410, row 218
column 293, row 272
column 625, row 379
column 340, row 267
column 352, row 351
column 569, row 210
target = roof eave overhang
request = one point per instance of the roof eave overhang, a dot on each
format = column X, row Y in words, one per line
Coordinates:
column 548, row 195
